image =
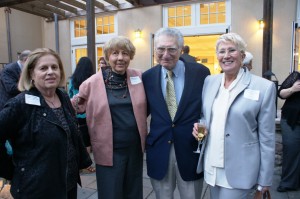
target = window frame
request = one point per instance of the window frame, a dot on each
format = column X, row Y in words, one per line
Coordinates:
column 81, row 42
column 196, row 28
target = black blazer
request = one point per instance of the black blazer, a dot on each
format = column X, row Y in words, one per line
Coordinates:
column 9, row 78
column 40, row 146
column 163, row 131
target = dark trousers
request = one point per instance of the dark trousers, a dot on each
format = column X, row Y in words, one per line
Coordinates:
column 72, row 194
column 124, row 179
column 290, row 177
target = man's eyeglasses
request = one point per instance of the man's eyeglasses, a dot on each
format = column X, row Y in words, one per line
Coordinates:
column 161, row 50
column 230, row 51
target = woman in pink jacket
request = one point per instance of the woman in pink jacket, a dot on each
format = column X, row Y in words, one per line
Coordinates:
column 115, row 104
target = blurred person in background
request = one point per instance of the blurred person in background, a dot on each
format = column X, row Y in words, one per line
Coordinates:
column 290, row 127
column 84, row 69
column 9, row 78
column 247, row 62
column 186, row 56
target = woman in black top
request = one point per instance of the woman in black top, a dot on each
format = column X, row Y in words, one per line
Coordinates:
column 41, row 125
column 290, row 126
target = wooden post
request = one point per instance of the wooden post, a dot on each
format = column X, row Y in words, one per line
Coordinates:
column 91, row 45
column 267, row 37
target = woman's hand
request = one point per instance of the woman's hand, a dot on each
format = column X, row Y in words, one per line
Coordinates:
column 79, row 100
column 262, row 189
column 295, row 87
column 195, row 131
column 285, row 93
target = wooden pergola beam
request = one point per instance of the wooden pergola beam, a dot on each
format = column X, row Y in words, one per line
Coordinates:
column 32, row 10
column 75, row 3
column 133, row 2
column 60, row 5
column 113, row 2
column 8, row 3
column 99, row 5
column 43, row 6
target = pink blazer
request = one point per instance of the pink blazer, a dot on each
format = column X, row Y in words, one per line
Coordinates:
column 98, row 116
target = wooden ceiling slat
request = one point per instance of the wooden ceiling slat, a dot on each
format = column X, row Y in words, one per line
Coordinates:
column 32, row 10
column 73, row 8
column 61, row 6
column 131, row 2
column 113, row 2
column 43, row 6
column 75, row 4
column 99, row 5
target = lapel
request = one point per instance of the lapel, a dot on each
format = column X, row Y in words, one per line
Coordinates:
column 242, row 85
column 46, row 110
column 133, row 89
column 213, row 86
column 211, row 89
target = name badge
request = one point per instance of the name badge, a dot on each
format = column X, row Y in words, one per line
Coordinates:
column 33, row 100
column 251, row 94
column 135, row 80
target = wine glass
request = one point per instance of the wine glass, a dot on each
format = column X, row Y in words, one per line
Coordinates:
column 201, row 130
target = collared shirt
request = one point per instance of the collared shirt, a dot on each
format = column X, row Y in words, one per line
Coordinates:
column 214, row 160
column 20, row 65
column 178, row 78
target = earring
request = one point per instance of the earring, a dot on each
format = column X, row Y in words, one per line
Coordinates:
column 32, row 82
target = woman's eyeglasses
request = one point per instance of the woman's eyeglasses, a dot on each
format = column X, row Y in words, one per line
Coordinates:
column 229, row 51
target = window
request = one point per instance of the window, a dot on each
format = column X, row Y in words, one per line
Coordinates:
column 212, row 13
column 80, row 52
column 105, row 25
column 80, row 28
column 197, row 14
column 179, row 16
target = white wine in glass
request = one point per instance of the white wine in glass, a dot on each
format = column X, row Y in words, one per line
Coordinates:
column 201, row 130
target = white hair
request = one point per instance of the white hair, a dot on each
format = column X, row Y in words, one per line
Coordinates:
column 248, row 58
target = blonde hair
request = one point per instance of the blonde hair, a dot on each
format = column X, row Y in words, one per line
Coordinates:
column 119, row 42
column 26, row 82
column 235, row 39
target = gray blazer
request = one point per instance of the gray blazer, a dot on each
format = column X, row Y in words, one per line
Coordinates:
column 249, row 131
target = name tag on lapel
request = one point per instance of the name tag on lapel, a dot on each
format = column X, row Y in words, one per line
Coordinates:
column 251, row 94
column 33, row 100
column 135, row 80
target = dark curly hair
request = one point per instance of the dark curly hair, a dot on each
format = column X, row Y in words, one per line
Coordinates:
column 84, row 70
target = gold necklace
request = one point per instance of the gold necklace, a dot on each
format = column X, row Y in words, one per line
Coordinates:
column 51, row 102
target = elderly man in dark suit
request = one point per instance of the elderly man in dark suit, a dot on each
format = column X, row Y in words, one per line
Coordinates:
column 186, row 56
column 9, row 78
column 173, row 90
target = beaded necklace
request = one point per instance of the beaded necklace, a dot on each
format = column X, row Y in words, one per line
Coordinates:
column 112, row 84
